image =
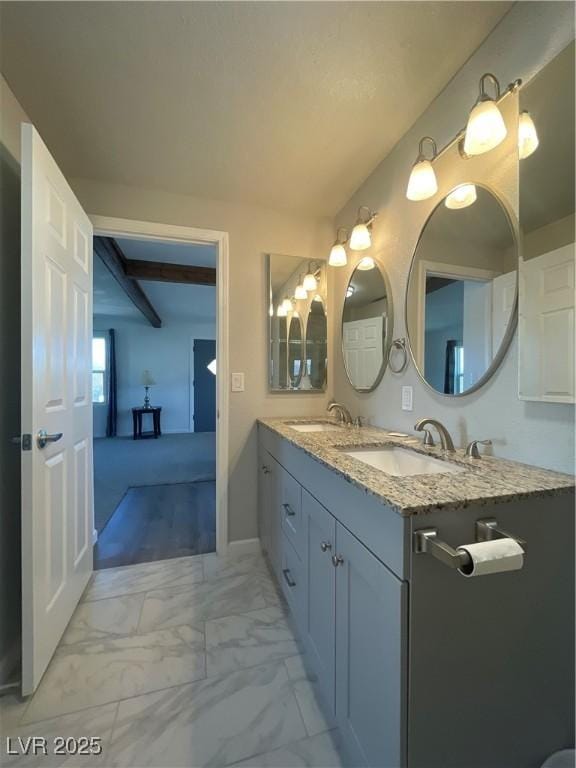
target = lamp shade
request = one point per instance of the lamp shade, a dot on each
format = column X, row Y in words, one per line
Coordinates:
column 147, row 379
column 360, row 238
column 310, row 283
column 287, row 304
column 300, row 292
column 366, row 264
column 338, row 256
column 461, row 197
column 422, row 183
column 281, row 311
column 527, row 135
column 485, row 129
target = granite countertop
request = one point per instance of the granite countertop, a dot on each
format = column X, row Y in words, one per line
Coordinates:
column 484, row 481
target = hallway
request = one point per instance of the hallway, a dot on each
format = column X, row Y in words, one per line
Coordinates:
column 184, row 662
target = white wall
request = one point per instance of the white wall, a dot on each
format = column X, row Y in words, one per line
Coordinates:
column 166, row 353
column 536, row 433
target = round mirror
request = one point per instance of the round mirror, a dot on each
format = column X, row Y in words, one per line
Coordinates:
column 316, row 344
column 462, row 289
column 367, row 323
column 295, row 350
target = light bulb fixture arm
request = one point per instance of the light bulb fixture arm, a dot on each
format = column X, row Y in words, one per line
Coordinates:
column 482, row 87
column 339, row 239
column 371, row 215
column 421, row 153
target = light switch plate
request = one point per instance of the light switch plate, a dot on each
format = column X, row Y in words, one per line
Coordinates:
column 407, row 398
column 237, row 382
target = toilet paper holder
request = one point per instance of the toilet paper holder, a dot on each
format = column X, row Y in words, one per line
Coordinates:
column 426, row 541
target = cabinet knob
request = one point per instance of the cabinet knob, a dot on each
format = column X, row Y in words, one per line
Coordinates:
column 325, row 546
column 288, row 577
column 265, row 469
column 337, row 560
column 289, row 511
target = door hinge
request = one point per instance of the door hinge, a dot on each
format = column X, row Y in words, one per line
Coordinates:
column 24, row 441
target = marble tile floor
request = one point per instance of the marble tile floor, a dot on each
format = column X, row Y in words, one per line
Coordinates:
column 187, row 662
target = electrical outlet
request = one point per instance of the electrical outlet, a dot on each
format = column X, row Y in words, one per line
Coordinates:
column 407, row 398
column 237, row 382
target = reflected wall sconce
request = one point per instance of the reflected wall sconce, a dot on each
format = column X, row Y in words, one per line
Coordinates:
column 366, row 264
column 461, row 197
column 527, row 135
column 486, row 128
column 422, row 183
column 300, row 293
column 281, row 311
column 310, row 281
column 361, row 237
column 338, row 256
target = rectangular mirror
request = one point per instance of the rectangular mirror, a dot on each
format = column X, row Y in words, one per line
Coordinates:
column 297, row 324
column 547, row 221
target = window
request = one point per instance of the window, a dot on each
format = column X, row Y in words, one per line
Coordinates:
column 99, row 369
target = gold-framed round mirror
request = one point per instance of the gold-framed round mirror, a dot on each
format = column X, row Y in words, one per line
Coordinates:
column 461, row 296
column 367, row 324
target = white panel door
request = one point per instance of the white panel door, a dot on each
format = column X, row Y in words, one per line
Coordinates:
column 362, row 348
column 57, row 486
column 547, row 338
column 503, row 299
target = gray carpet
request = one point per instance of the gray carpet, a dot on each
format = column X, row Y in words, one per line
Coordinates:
column 121, row 463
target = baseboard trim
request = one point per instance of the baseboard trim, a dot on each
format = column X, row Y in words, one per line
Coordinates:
column 244, row 547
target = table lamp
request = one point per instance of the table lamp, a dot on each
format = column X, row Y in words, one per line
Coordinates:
column 148, row 382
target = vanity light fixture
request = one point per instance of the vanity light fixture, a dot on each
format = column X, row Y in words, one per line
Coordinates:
column 422, row 183
column 366, row 264
column 338, row 256
column 461, row 197
column 361, row 239
column 300, row 293
column 310, row 282
column 486, row 128
column 281, row 311
column 287, row 304
column 527, row 135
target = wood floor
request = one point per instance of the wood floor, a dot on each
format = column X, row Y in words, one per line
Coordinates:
column 158, row 522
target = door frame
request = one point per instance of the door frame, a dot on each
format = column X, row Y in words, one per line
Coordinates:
column 107, row 226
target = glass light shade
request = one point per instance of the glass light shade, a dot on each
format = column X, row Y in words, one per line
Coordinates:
column 486, row 128
column 422, row 183
column 287, row 304
column 366, row 263
column 147, row 379
column 281, row 311
column 310, row 283
column 338, row 256
column 300, row 292
column 317, row 297
column 360, row 238
column 527, row 136
column 461, row 197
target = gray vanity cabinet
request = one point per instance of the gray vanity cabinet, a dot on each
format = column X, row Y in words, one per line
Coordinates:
column 319, row 629
column 370, row 661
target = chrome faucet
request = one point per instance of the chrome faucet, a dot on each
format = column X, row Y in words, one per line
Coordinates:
column 344, row 415
column 445, row 439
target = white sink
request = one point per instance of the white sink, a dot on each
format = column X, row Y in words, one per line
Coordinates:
column 403, row 462
column 323, row 427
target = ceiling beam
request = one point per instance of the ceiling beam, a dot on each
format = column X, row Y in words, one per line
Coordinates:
column 170, row 273
column 114, row 260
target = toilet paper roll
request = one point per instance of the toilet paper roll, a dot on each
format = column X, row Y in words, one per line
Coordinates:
column 496, row 556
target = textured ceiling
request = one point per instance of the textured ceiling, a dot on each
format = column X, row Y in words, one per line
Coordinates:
column 285, row 104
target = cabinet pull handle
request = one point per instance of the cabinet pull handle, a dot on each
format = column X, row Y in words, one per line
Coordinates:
column 265, row 469
column 289, row 511
column 287, row 578
column 337, row 560
column 325, row 546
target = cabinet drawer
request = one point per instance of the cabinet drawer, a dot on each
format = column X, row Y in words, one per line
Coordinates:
column 291, row 510
column 292, row 579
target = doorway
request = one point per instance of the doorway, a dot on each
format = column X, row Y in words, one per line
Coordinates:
column 187, row 513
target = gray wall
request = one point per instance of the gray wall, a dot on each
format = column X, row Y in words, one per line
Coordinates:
column 536, row 433
column 9, row 386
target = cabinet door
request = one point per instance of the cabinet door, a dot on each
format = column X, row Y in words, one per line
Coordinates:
column 264, row 498
column 370, row 664
column 320, row 605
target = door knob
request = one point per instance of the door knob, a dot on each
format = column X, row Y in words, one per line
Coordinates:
column 337, row 560
column 324, row 546
column 43, row 438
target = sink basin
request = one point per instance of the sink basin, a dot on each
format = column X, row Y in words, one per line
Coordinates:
column 314, row 427
column 403, row 462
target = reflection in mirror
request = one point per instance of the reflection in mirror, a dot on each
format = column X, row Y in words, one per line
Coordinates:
column 461, row 295
column 295, row 350
column 547, row 222
column 297, row 301
column 316, row 343
column 367, row 323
